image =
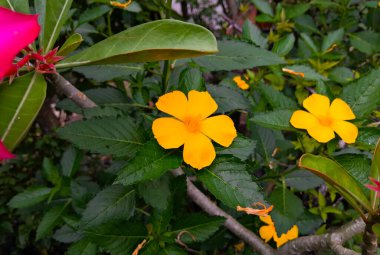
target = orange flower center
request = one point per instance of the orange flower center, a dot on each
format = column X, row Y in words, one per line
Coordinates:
column 325, row 121
column 193, row 124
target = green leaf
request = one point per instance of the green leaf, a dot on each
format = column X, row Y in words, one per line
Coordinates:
column 241, row 148
column 55, row 14
column 156, row 193
column 332, row 38
column 118, row 238
column 303, row 180
column 49, row 221
column 71, row 44
column 368, row 137
column 278, row 119
column 376, row 229
column 283, row 46
column 263, row 6
column 295, row 10
column 67, row 234
column 310, row 73
column 375, row 174
column 83, row 247
column 234, row 55
column 29, row 197
column 307, row 223
column 338, row 177
column 93, row 13
column 116, row 136
column 191, row 79
column 70, row 161
column 341, row 74
column 16, row 5
column 152, row 41
column 113, row 203
column 363, row 95
column 227, row 99
column 310, row 43
column 252, row 33
column 277, row 99
column 150, row 163
column 101, row 73
column 366, row 41
column 287, row 209
column 230, row 183
column 20, row 103
column 305, row 23
column 50, row 171
column 266, row 142
column 197, row 225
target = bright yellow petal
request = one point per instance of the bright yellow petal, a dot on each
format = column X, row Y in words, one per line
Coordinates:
column 280, row 240
column 201, row 104
column 302, row 119
column 346, row 130
column 173, row 103
column 340, row 110
column 198, row 151
column 317, row 104
column 219, row 128
column 169, row 132
column 321, row 133
column 267, row 232
column 267, row 219
column 292, row 233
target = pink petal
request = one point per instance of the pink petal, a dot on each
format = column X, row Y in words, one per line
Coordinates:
column 18, row 30
column 4, row 153
column 375, row 181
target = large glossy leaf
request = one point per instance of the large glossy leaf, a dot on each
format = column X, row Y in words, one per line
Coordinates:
column 19, row 105
column 375, row 173
column 231, row 183
column 338, row 177
column 152, row 41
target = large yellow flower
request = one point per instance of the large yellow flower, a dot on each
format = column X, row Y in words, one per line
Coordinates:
column 268, row 232
column 191, row 127
column 323, row 119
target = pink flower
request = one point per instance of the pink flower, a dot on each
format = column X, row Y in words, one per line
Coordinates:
column 375, row 187
column 18, row 30
column 4, row 153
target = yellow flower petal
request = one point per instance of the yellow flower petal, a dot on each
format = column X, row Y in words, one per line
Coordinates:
column 280, row 240
column 321, row 133
column 340, row 110
column 303, row 120
column 346, row 130
column 173, row 103
column 219, row 128
column 292, row 233
column 198, row 150
column 201, row 104
column 317, row 104
column 267, row 232
column 241, row 83
column 267, row 220
column 169, row 132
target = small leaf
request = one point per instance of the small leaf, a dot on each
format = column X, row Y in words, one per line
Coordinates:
column 113, row 203
column 240, row 148
column 92, row 13
column 341, row 74
column 29, row 197
column 263, row 6
column 294, row 10
column 230, row 183
column 276, row 98
column 307, row 223
column 310, row 43
column 278, row 119
column 252, row 33
column 368, row 137
column 366, row 41
column 332, row 38
column 191, row 79
column 156, row 193
column 49, row 221
column 83, row 247
column 303, row 180
column 227, row 99
column 70, row 161
column 150, row 163
column 283, row 46
column 71, row 44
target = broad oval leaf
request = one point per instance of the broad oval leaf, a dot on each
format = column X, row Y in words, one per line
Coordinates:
column 152, row 41
column 338, row 177
column 20, row 103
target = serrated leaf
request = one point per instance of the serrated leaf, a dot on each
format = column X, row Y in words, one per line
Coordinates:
column 302, row 180
column 276, row 98
column 252, row 33
column 191, row 79
column 83, row 247
column 287, row 208
column 310, row 43
column 278, row 119
column 156, row 193
column 67, row 234
column 113, row 203
column 338, row 177
column 151, row 41
column 227, row 99
column 198, row 225
column 266, row 142
column 150, row 163
column 70, row 161
column 283, row 46
column 116, row 136
column 50, row 172
column 240, row 148
column 368, row 137
column 20, row 103
column 230, row 183
column 363, row 94
column 29, row 197
column 332, row 38
column 49, row 221
column 234, row 55
column 307, row 223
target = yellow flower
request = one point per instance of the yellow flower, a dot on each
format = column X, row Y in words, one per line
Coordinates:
column 323, row 119
column 242, row 84
column 268, row 232
column 191, row 127
column 121, row 5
